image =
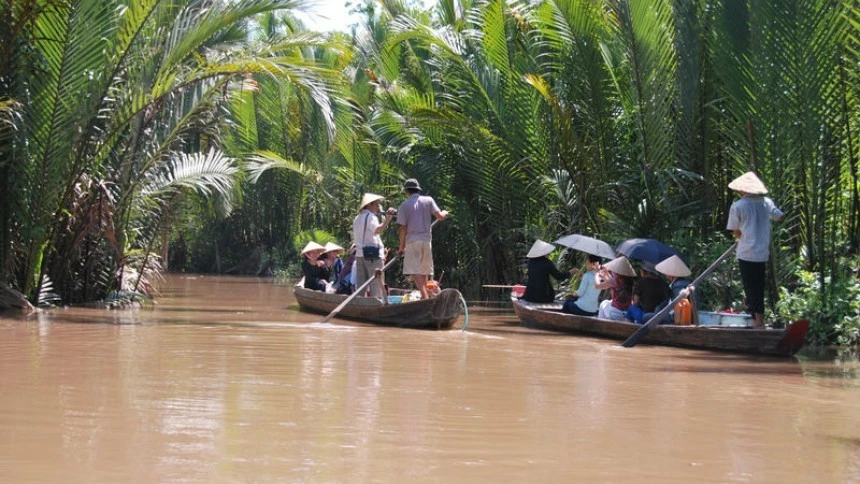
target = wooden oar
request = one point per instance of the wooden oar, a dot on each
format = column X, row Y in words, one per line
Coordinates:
column 358, row 291
column 642, row 332
column 362, row 287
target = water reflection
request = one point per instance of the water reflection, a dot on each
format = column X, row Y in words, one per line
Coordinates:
column 225, row 381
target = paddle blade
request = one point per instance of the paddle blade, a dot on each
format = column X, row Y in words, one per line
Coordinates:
column 637, row 337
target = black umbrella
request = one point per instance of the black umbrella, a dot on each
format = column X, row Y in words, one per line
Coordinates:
column 650, row 250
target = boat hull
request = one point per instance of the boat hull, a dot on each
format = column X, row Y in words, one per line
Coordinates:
column 438, row 313
column 774, row 342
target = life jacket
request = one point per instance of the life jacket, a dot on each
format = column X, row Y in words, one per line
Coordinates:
column 684, row 312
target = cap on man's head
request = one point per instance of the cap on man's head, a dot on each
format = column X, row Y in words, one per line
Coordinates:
column 411, row 184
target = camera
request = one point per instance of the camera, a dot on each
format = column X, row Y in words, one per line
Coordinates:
column 391, row 211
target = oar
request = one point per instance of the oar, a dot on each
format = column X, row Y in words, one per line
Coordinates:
column 358, row 291
column 362, row 287
column 642, row 332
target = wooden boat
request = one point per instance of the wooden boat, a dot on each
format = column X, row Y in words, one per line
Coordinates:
column 439, row 312
column 775, row 342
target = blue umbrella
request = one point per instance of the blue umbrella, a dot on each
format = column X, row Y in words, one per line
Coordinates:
column 650, row 250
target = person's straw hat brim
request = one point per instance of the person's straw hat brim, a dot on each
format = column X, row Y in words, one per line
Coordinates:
column 540, row 249
column 332, row 247
column 369, row 198
column 748, row 183
column 621, row 266
column 673, row 266
column 311, row 247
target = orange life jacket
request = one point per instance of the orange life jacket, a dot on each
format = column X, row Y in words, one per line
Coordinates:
column 684, row 312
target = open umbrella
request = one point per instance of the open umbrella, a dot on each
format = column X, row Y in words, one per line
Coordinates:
column 589, row 245
column 650, row 250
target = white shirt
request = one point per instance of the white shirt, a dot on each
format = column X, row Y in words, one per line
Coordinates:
column 587, row 293
column 368, row 236
column 751, row 215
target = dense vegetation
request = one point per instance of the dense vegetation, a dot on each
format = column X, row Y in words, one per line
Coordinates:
column 614, row 118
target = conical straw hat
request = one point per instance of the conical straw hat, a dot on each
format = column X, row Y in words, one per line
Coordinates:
column 621, row 266
column 673, row 266
column 540, row 249
column 312, row 246
column 748, row 183
column 331, row 247
column 369, row 198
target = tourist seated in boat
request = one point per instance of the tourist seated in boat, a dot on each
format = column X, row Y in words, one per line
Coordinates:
column 333, row 260
column 617, row 276
column 676, row 273
column 344, row 281
column 587, row 296
column 315, row 271
column 649, row 291
column 539, row 288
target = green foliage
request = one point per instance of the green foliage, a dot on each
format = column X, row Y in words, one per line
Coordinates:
column 525, row 119
column 312, row 235
column 830, row 303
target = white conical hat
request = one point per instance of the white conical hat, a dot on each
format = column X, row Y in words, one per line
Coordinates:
column 312, row 246
column 748, row 183
column 369, row 198
column 331, row 247
column 673, row 266
column 621, row 265
column 540, row 249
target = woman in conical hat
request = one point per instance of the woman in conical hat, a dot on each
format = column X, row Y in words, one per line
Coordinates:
column 676, row 272
column 539, row 288
column 749, row 220
column 617, row 276
column 315, row 271
column 332, row 259
column 370, row 251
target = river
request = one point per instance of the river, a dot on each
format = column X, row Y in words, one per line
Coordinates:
column 224, row 380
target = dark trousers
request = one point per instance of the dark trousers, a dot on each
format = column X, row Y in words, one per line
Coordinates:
column 752, row 276
column 570, row 307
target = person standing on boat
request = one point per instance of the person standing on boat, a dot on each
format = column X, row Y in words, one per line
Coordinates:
column 749, row 220
column 539, row 287
column 369, row 251
column 587, row 295
column 414, row 217
column 617, row 276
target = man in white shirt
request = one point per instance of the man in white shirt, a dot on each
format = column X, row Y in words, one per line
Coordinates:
column 749, row 221
column 369, row 251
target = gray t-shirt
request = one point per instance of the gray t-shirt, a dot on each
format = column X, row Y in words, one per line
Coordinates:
column 751, row 214
column 416, row 213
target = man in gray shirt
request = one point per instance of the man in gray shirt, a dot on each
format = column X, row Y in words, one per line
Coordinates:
column 749, row 221
column 414, row 217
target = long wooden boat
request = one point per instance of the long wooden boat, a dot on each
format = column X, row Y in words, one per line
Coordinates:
column 775, row 342
column 439, row 312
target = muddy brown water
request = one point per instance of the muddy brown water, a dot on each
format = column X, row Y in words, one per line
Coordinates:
column 226, row 381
